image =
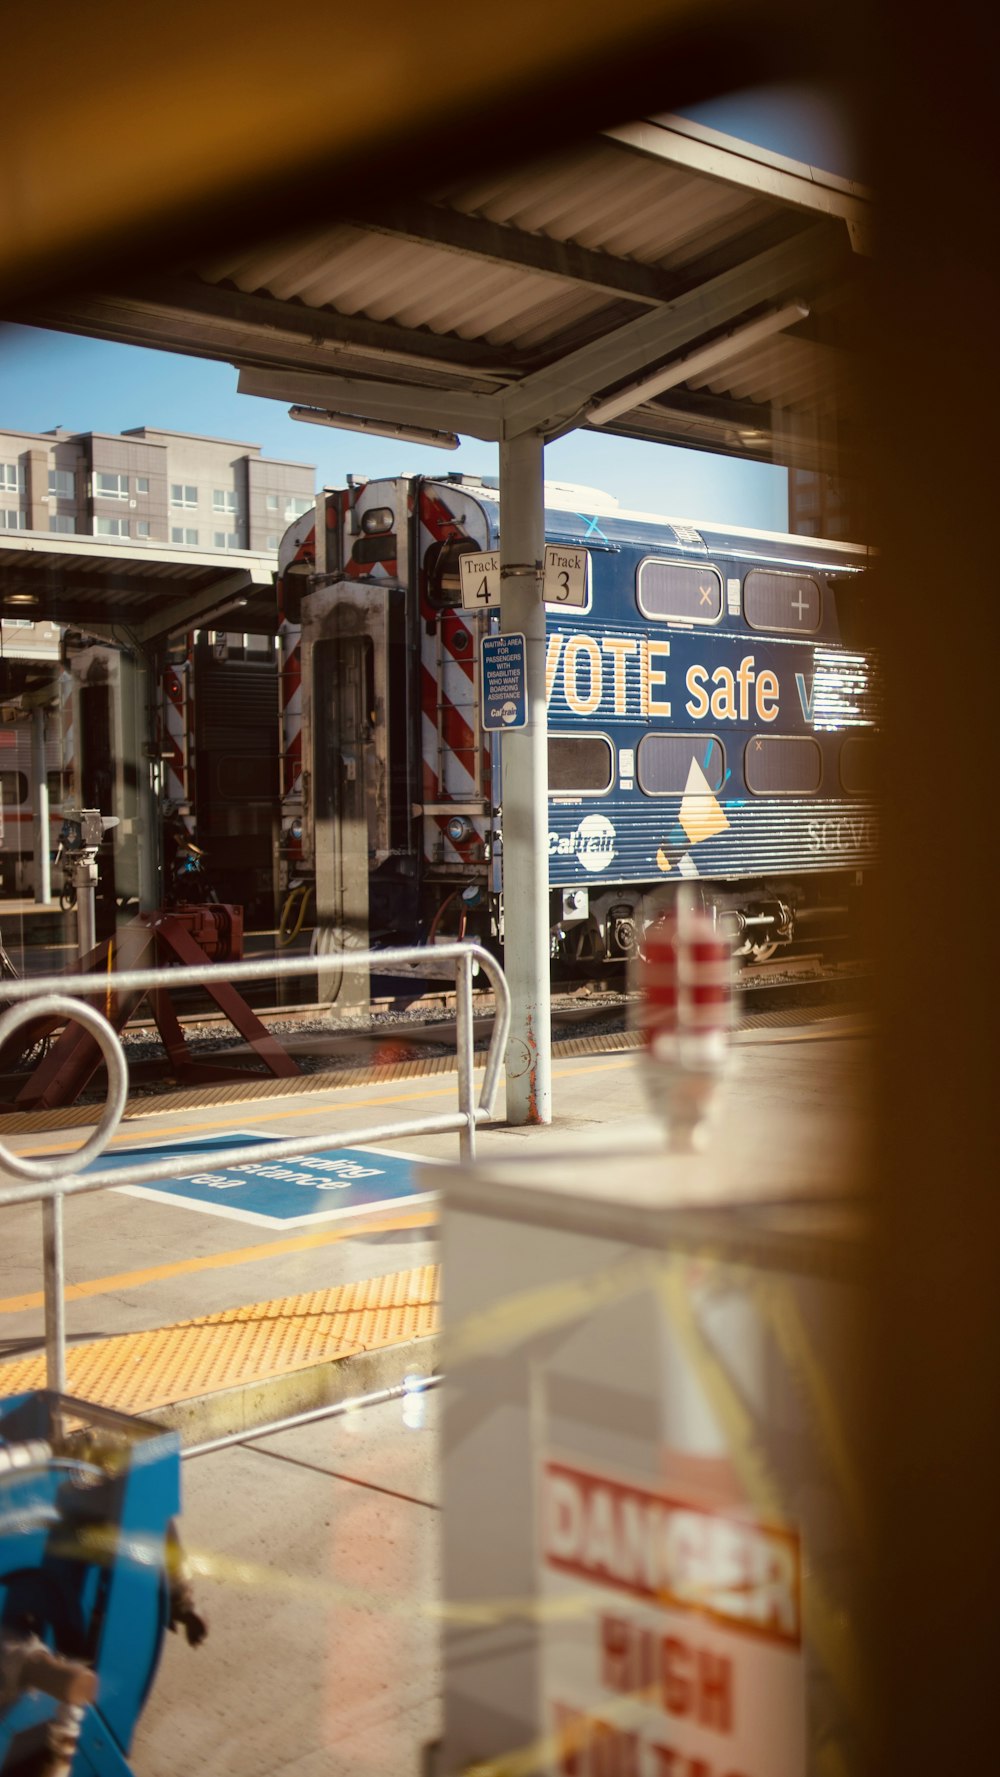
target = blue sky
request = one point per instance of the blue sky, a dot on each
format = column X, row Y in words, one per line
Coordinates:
column 52, row 379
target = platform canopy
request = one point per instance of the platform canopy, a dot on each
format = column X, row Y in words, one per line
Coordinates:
column 657, row 280
column 136, row 593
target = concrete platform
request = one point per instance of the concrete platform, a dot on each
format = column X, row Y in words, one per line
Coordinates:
column 159, row 1298
column 316, row 1561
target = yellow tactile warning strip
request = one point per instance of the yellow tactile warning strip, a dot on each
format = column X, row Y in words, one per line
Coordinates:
column 256, row 1086
column 262, row 1086
column 140, row 1372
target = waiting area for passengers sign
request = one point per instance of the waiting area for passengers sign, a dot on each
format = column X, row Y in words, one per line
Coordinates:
column 504, row 682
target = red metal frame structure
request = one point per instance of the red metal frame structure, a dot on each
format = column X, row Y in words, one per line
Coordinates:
column 151, row 940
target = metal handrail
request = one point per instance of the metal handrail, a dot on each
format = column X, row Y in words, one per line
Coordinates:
column 50, row 1181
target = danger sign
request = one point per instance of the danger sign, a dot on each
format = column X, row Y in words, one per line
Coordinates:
column 673, row 1634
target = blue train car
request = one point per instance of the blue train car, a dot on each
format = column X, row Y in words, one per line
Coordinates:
column 711, row 717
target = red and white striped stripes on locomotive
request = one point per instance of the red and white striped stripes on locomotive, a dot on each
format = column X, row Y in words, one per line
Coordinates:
column 710, row 716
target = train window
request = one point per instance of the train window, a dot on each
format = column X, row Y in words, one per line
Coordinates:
column 673, row 590
column 580, row 764
column 857, row 764
column 789, row 604
column 54, row 780
column 444, row 576
column 367, row 550
column 13, row 788
column 665, row 761
column 782, row 765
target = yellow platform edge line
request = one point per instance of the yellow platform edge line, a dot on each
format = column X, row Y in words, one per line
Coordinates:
column 236, row 1347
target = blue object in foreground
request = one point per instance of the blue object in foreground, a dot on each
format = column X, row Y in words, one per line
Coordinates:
column 91, row 1578
column 322, row 1187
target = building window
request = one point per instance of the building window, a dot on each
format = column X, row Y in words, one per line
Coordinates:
column 857, row 765
column 142, row 527
column 62, row 483
column 294, row 508
column 273, row 502
column 227, row 539
column 782, row 765
column 272, row 540
column 110, row 486
column 62, row 521
column 13, row 521
column 665, row 761
column 668, row 590
column 142, row 484
column 580, row 764
column 11, row 478
column 179, row 534
column 223, row 500
column 111, row 527
column 182, row 494
column 13, row 788
column 787, row 603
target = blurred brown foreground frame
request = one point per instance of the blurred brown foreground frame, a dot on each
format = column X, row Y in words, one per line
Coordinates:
column 133, row 137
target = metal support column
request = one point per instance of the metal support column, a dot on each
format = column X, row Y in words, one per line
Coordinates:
column 524, row 761
column 54, row 1272
column 40, row 804
column 149, row 779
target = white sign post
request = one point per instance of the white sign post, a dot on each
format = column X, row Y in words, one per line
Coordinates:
column 564, row 581
column 480, row 580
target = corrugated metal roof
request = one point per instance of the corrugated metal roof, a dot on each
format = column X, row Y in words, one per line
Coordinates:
column 622, row 257
column 154, row 589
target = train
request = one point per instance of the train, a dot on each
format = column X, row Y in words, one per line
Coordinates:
column 713, row 714
column 712, row 710
column 208, row 750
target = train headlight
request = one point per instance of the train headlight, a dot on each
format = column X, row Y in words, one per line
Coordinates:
column 295, row 830
column 459, row 828
column 377, row 521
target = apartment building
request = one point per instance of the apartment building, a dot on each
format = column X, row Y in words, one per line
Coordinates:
column 150, row 486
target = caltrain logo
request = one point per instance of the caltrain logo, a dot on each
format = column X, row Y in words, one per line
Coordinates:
column 593, row 843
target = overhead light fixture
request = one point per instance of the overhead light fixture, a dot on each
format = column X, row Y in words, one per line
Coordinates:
column 22, row 598
column 697, row 362
column 349, row 422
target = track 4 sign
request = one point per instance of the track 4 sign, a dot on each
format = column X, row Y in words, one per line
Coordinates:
column 480, row 579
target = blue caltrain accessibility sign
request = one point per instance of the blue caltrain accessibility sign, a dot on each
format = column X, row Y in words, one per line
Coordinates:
column 323, row 1187
column 504, row 682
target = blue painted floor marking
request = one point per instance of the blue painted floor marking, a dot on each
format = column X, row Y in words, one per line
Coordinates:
column 320, row 1187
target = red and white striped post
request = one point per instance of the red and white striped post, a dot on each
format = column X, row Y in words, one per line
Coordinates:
column 686, row 1018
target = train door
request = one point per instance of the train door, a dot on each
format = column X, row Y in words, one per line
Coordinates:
column 110, row 768
column 233, row 718
column 345, row 787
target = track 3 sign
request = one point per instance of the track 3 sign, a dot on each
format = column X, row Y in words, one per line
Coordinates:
column 564, row 580
column 504, row 682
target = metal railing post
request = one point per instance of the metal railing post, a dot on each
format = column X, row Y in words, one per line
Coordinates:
column 63, row 999
column 463, row 1056
column 54, row 1271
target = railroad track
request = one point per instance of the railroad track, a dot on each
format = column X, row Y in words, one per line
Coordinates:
column 585, row 1017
